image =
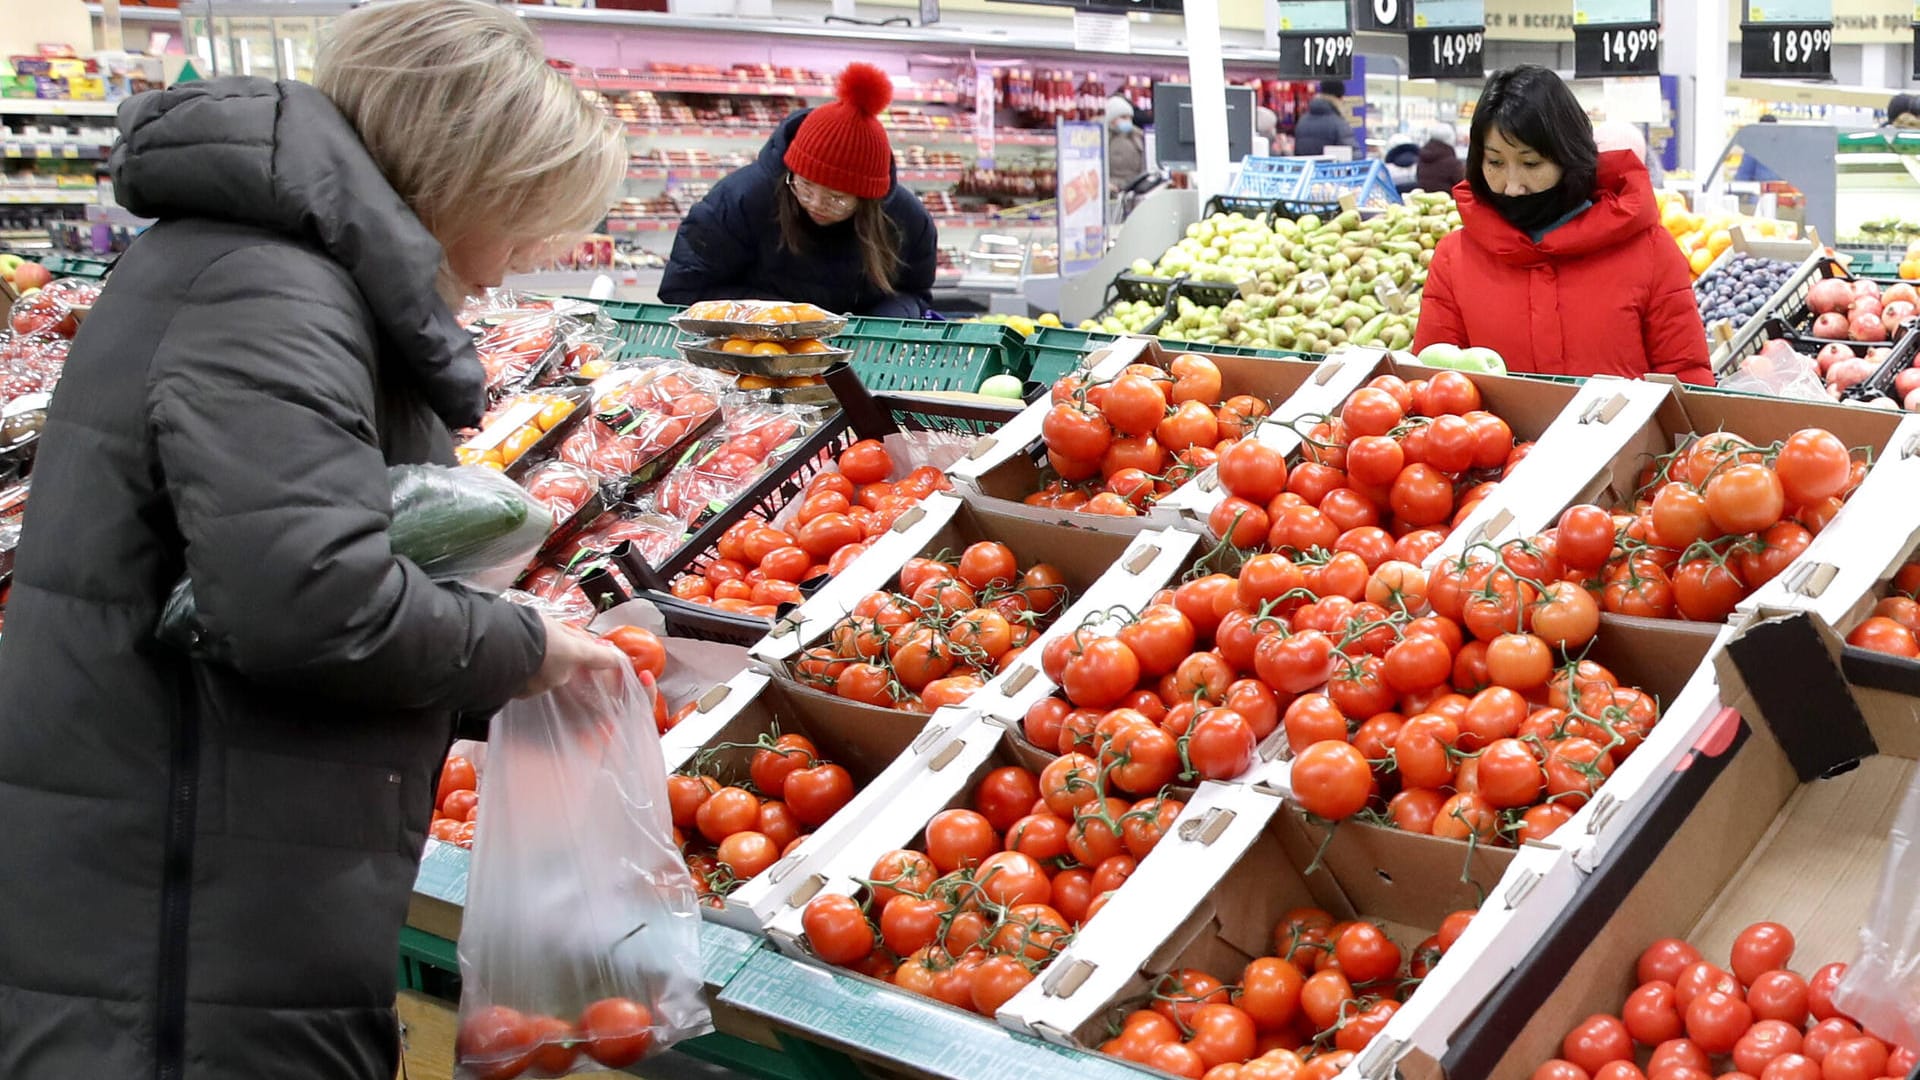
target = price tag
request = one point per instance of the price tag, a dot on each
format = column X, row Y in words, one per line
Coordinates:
column 70, row 152
column 1383, row 16
column 1447, row 53
column 1316, row 56
column 1390, row 295
column 1312, row 284
column 1605, row 51
column 1786, row 50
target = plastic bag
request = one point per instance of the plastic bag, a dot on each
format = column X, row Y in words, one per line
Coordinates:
column 753, row 438
column 581, row 930
column 1788, row 375
column 466, row 524
column 1881, row 989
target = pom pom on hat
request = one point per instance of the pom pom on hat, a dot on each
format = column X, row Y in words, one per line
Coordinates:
column 841, row 145
column 865, row 87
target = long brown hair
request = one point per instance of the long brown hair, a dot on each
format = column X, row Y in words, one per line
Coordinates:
column 877, row 235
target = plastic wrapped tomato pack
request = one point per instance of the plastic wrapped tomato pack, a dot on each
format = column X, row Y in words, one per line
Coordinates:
column 54, row 311
column 524, row 341
column 753, row 437
column 516, row 426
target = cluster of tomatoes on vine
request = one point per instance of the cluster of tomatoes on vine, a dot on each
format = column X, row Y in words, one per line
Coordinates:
column 1301, row 1012
column 1688, row 1019
column 1117, row 446
column 1719, row 517
column 995, row 890
column 950, row 625
column 730, row 833
column 760, row 566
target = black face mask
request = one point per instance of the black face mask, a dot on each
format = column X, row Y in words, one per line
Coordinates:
column 1532, row 213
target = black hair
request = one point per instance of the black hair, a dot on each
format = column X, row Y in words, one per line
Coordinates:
column 1531, row 106
column 1333, row 88
column 1769, row 118
column 1900, row 103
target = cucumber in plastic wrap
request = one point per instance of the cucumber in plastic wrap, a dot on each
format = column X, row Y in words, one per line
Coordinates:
column 465, row 524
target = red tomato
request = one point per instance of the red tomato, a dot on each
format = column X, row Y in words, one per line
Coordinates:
column 617, row 1031
column 1597, row 1040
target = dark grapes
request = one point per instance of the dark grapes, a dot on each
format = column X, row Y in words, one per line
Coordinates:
column 1739, row 288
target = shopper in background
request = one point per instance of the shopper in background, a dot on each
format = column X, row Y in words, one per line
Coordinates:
column 819, row 218
column 1402, row 157
column 1126, row 145
column 1751, row 168
column 1324, row 125
column 1903, row 111
column 1561, row 265
column 1440, row 167
column 1266, row 130
column 208, row 864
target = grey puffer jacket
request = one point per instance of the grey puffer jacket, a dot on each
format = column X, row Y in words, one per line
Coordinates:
column 208, row 867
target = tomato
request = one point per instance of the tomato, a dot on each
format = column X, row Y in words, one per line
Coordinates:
column 1044, row 589
column 1680, row 517
column 996, row 982
column 1566, row 616
column 1420, row 496
column 1745, row 498
column 497, row 1043
column 727, row 811
column 959, row 838
column 1779, row 995
column 1371, row 459
column 1075, row 433
column 1764, row 1041
column 1371, row 411
column 1256, row 704
column 1820, row 991
column 817, row 793
column 1791, row 1067
column 866, row 462
column 1191, row 425
column 1510, row 776
column 1677, row 1054
column 1760, row 948
column 1560, row 1069
column 747, row 853
column 1195, row 378
column 1813, row 465
column 1323, row 997
column 616, row 1031
column 1882, row 634
column 1901, row 609
column 1706, row 590
column 1134, row 404
column 1270, row 993
column 1418, row 663
column 1179, row 995
column 1366, row 954
column 1196, row 600
column 1466, row 815
column 771, row 765
column 1716, row 1019
column 1825, row 1036
column 1447, row 393
column 1519, row 662
column 777, row 824
column 1331, row 780
column 1638, row 587
column 1101, row 674
column 1239, row 522
column 457, row 774
column 1294, row 664
column 1701, row 978
column 1220, row 745
column 1421, row 751
column 1069, row 782
column 988, row 563
column 1597, row 1040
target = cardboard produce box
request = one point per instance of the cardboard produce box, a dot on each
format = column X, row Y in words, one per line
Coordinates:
column 880, row 758
column 1005, row 467
column 1210, row 897
column 1782, row 816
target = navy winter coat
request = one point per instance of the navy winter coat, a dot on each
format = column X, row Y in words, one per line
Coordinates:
column 1323, row 126
column 729, row 247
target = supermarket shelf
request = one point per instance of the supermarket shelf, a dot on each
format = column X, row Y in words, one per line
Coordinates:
column 715, row 172
column 758, row 133
column 47, row 197
column 614, row 82
column 48, row 107
column 618, row 226
column 70, row 151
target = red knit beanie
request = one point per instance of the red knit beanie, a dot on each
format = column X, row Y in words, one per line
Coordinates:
column 841, row 144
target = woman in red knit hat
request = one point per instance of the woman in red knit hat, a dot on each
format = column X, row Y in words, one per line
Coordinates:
column 817, row 218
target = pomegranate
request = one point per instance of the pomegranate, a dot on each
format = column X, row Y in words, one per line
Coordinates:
column 1827, row 295
column 1866, row 327
column 1829, row 354
column 1831, row 325
column 1848, row 372
column 1905, row 383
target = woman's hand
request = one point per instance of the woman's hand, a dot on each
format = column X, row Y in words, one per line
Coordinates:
column 570, row 652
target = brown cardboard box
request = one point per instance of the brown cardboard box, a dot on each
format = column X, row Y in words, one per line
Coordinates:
column 1784, row 818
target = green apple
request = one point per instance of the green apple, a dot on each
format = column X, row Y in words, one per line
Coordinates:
column 1482, row 359
column 1441, row 355
column 1002, row 386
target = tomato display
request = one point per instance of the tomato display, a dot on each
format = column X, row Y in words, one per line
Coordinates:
column 731, row 827
column 1688, row 1018
column 1119, row 445
column 996, row 888
column 951, row 623
column 456, row 805
column 1895, row 619
column 512, row 427
column 563, row 488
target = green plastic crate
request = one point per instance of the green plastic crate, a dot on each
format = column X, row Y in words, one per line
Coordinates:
column 912, row 355
column 1056, row 351
column 644, row 326
column 76, row 266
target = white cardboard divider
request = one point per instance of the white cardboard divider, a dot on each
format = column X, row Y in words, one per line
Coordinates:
column 1217, row 827
column 755, row 904
column 1588, row 434
column 1148, row 565
column 1339, row 375
column 1860, row 546
column 716, row 708
column 870, row 571
column 1013, row 437
column 1594, row 829
column 1534, row 892
column 889, row 814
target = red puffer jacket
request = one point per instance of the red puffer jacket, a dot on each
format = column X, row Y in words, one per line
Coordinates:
column 1607, row 293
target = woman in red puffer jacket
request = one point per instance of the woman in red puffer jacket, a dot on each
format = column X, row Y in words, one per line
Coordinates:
column 1561, row 266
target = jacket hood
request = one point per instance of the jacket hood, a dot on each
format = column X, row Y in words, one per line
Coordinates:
column 1623, row 208
column 773, row 156
column 279, row 156
column 1437, row 151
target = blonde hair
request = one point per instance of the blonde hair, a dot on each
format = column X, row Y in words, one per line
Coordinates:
column 457, row 105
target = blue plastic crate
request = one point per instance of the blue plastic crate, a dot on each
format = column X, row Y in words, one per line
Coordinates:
column 1269, row 178
column 1329, row 181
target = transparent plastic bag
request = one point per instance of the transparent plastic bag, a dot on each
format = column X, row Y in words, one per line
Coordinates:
column 465, row 524
column 1789, row 375
column 581, row 930
column 1881, row 989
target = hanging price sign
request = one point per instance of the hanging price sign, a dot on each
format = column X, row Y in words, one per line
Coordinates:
column 1615, row 37
column 1448, row 40
column 1383, row 16
column 1787, row 39
column 1316, row 56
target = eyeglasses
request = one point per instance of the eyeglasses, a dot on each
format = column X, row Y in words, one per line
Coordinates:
column 827, row 199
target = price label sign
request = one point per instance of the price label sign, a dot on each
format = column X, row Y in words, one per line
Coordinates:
column 1383, row 16
column 1604, row 51
column 1786, row 51
column 1316, row 56
column 1787, row 39
column 1447, row 53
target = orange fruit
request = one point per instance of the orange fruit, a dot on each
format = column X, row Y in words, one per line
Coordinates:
column 793, row 381
column 808, row 313
column 555, row 411
column 782, row 314
column 519, row 443
column 769, row 348
column 809, row 347
column 754, row 382
column 738, row 347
